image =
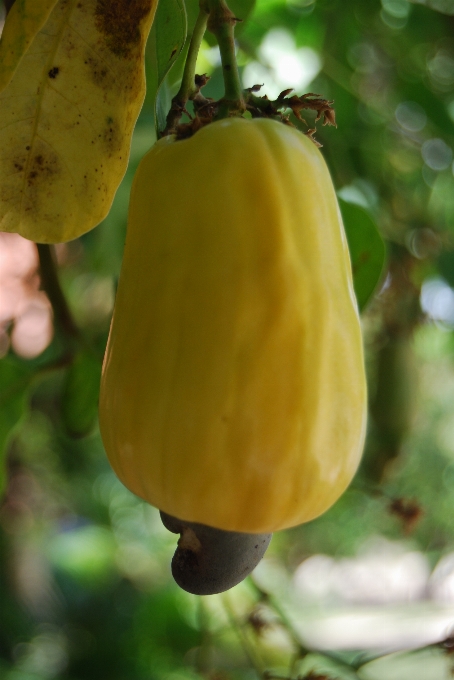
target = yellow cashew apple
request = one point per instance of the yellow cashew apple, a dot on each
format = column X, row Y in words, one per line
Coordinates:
column 233, row 391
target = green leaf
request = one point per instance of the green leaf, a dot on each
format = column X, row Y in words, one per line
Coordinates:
column 23, row 22
column 14, row 382
column 79, row 405
column 167, row 39
column 367, row 250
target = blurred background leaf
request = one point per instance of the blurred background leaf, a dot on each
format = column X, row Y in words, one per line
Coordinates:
column 15, row 380
column 81, row 393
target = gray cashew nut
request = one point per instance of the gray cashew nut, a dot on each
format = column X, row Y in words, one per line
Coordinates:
column 209, row 560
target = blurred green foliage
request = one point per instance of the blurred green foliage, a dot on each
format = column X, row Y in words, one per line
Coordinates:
column 85, row 586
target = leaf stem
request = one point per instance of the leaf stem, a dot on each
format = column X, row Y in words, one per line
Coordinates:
column 187, row 87
column 51, row 286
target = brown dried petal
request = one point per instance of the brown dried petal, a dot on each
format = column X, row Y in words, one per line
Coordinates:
column 255, row 88
column 201, row 80
column 310, row 134
column 284, row 93
column 329, row 117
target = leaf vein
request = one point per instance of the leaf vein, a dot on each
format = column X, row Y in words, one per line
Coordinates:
column 15, row 122
column 73, row 104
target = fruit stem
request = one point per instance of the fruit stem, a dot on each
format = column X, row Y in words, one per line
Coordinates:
column 188, row 86
column 221, row 23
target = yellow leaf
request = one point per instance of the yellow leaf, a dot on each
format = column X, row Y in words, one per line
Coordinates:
column 67, row 116
column 24, row 20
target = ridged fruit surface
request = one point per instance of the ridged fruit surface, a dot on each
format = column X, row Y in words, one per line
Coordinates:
column 233, row 390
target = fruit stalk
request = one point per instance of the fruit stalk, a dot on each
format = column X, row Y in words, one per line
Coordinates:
column 221, row 23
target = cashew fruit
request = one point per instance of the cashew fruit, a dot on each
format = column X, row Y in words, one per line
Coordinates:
column 233, row 390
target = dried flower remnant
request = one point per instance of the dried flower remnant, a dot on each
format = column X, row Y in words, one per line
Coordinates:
column 206, row 110
column 410, row 512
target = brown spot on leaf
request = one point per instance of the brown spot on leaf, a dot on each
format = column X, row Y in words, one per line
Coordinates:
column 43, row 166
column 119, row 21
column 111, row 136
column 99, row 73
column 18, row 163
column 53, row 73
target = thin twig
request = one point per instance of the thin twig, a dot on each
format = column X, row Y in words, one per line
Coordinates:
column 255, row 660
column 188, row 87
